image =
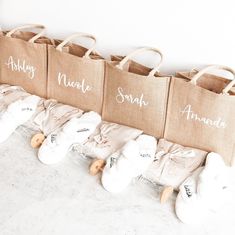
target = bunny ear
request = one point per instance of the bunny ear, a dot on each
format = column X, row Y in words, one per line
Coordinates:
column 214, row 161
column 130, row 149
column 214, row 165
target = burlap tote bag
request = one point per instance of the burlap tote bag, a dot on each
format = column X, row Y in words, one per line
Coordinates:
column 76, row 74
column 133, row 99
column 23, row 60
column 202, row 118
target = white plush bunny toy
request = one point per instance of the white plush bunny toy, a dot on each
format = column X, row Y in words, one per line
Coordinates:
column 205, row 191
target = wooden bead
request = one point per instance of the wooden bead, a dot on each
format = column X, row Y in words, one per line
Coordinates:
column 37, row 140
column 97, row 166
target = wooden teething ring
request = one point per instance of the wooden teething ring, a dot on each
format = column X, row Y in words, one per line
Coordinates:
column 37, row 140
column 97, row 166
column 166, row 193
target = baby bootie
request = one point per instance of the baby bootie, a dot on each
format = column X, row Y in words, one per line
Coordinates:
column 75, row 131
column 17, row 113
column 129, row 162
column 204, row 192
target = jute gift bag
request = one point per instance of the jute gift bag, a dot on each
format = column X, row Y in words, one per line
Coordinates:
column 202, row 118
column 133, row 99
column 76, row 74
column 23, row 60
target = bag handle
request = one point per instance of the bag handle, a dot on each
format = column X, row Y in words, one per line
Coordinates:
column 29, row 26
column 211, row 68
column 138, row 51
column 78, row 35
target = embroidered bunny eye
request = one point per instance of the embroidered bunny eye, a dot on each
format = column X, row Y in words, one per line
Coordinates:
column 83, row 130
column 188, row 191
column 53, row 138
column 27, row 109
column 145, row 155
column 112, row 161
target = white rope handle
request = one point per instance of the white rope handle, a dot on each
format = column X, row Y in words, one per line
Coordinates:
column 228, row 87
column 29, row 26
column 212, row 68
column 138, row 51
column 78, row 35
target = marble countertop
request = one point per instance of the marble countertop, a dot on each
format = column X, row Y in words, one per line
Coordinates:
column 64, row 199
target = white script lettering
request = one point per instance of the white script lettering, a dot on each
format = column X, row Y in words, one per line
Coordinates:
column 121, row 98
column 190, row 115
column 21, row 66
column 63, row 80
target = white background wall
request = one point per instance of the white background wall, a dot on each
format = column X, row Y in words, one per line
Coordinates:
column 190, row 33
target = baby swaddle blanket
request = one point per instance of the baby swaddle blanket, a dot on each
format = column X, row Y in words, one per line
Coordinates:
column 107, row 139
column 53, row 115
column 173, row 163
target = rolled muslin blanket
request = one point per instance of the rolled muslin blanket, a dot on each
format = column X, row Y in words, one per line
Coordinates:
column 52, row 115
column 107, row 139
column 173, row 163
